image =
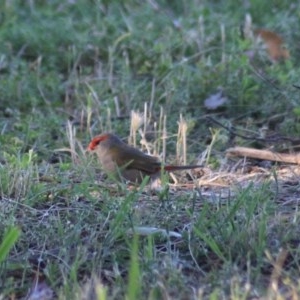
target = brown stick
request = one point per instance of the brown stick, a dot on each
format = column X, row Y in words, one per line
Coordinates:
column 264, row 154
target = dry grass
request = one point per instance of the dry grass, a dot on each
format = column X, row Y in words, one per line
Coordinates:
column 143, row 70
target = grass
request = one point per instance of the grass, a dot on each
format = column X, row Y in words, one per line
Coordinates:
column 71, row 70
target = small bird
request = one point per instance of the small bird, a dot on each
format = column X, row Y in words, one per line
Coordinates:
column 125, row 162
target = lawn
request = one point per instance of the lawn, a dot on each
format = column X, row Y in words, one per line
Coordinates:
column 182, row 80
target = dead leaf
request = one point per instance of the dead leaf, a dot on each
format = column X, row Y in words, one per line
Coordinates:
column 274, row 44
column 40, row 291
column 146, row 230
column 215, row 101
column 266, row 40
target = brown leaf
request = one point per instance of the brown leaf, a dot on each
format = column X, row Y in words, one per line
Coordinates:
column 274, row 44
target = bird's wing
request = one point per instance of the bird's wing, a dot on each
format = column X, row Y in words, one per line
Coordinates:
column 132, row 158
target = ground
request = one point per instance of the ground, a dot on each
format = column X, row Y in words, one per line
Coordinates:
column 184, row 81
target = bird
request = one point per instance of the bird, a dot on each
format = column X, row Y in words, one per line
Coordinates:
column 124, row 162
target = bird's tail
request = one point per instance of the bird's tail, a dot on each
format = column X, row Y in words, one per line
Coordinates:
column 171, row 168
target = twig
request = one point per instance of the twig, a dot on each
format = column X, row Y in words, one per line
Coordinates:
column 274, row 138
column 264, row 155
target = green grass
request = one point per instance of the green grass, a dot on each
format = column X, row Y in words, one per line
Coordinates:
column 70, row 70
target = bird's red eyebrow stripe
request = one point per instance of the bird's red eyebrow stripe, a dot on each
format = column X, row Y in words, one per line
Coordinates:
column 95, row 142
